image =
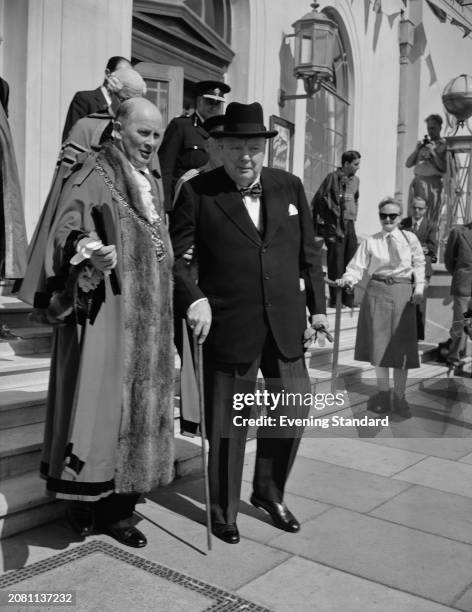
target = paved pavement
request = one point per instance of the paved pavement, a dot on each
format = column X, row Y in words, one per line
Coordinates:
column 386, row 515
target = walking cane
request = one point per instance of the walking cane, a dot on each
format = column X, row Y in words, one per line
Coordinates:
column 197, row 351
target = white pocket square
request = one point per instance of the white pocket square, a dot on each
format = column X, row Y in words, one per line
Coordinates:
column 292, row 210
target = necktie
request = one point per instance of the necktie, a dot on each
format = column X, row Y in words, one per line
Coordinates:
column 255, row 191
column 393, row 253
column 415, row 226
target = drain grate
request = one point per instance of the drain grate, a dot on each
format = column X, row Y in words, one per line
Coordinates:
column 224, row 601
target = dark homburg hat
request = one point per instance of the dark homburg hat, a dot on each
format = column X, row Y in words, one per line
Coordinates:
column 212, row 90
column 244, row 121
column 214, row 124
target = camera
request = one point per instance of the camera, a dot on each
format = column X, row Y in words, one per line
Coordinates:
column 426, row 140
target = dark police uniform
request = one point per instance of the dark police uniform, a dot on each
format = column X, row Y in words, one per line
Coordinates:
column 184, row 144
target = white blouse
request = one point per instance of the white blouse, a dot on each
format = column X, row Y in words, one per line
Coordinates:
column 373, row 255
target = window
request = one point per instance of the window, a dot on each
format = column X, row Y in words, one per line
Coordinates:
column 326, row 125
column 215, row 13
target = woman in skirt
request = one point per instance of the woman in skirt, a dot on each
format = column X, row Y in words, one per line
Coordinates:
column 386, row 330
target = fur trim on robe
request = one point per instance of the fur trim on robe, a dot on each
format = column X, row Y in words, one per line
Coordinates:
column 13, row 242
column 110, row 410
column 145, row 445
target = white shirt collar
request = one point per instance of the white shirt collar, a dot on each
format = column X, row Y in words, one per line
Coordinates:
column 144, row 169
column 106, row 95
column 254, row 182
column 394, row 233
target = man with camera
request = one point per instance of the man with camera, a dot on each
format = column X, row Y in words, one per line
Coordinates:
column 429, row 161
column 334, row 209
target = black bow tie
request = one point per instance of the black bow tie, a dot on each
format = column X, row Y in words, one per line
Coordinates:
column 255, row 191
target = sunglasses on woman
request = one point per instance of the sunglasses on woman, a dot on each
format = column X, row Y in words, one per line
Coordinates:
column 391, row 216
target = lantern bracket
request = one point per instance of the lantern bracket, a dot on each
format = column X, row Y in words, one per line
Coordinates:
column 311, row 88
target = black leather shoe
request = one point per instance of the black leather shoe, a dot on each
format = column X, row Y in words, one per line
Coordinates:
column 228, row 532
column 128, row 535
column 379, row 403
column 401, row 407
column 80, row 517
column 279, row 513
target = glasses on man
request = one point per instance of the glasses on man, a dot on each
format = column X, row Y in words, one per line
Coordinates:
column 391, row 216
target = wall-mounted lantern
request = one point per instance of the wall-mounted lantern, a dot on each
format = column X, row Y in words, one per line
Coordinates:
column 315, row 36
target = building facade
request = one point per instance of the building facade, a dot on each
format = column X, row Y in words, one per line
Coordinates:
column 392, row 59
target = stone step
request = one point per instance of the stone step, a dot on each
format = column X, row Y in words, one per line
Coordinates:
column 320, row 365
column 348, row 317
column 36, row 339
column 24, row 504
column 22, row 407
column 9, row 364
column 14, row 312
column 20, row 380
column 20, row 449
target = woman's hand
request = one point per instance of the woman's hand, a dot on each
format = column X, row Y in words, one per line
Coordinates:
column 341, row 282
column 417, row 297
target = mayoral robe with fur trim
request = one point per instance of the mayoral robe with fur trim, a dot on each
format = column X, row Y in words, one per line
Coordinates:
column 13, row 242
column 109, row 424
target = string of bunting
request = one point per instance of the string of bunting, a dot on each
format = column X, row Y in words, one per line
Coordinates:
column 393, row 8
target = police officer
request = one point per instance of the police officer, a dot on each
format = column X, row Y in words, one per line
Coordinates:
column 184, row 144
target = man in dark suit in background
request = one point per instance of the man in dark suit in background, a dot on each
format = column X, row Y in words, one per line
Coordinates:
column 184, row 144
column 334, row 208
column 4, row 94
column 258, row 270
column 87, row 102
column 458, row 261
column 426, row 231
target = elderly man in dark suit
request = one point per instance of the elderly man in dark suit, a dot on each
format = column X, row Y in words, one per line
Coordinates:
column 184, row 146
column 92, row 101
column 426, row 231
column 458, row 261
column 258, row 270
column 4, row 95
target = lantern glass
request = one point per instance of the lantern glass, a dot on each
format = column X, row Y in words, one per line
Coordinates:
column 306, row 50
column 314, row 42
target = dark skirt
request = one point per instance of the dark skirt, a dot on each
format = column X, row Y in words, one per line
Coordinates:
column 386, row 330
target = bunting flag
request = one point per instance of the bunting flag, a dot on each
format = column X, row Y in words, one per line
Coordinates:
column 440, row 14
column 389, row 8
column 377, row 6
column 391, row 18
column 432, row 72
column 443, row 17
column 461, row 26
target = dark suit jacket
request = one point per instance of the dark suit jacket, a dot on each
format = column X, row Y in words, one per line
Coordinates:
column 327, row 205
column 83, row 103
column 427, row 235
column 183, row 147
column 458, row 259
column 251, row 282
column 4, row 93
